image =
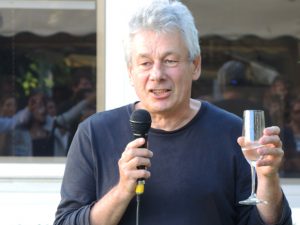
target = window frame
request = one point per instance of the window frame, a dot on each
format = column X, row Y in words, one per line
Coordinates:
column 27, row 165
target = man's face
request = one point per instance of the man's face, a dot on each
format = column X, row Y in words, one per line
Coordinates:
column 161, row 71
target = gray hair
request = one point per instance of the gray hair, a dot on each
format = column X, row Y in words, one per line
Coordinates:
column 163, row 16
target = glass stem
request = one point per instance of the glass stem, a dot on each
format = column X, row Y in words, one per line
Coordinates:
column 253, row 177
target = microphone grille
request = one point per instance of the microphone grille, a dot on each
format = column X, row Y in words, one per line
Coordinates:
column 140, row 121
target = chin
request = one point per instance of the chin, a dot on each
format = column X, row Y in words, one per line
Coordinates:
column 160, row 109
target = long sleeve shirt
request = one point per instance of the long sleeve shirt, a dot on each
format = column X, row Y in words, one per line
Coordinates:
column 198, row 172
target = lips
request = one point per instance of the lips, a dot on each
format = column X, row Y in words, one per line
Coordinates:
column 159, row 91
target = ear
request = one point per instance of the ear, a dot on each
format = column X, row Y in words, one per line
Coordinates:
column 197, row 67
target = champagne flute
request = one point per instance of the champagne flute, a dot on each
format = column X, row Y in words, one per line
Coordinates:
column 253, row 126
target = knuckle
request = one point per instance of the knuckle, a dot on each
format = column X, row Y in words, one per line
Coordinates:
column 281, row 152
column 129, row 152
column 122, row 167
column 126, row 173
column 120, row 162
column 148, row 174
column 145, row 174
column 123, row 155
column 137, row 161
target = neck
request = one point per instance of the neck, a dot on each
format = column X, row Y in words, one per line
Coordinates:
column 175, row 120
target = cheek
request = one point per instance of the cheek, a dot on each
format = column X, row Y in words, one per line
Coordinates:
column 138, row 79
column 132, row 76
column 183, row 78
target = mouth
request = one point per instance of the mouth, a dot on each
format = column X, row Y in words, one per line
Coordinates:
column 159, row 92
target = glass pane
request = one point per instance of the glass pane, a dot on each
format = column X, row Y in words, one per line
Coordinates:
column 48, row 74
column 250, row 64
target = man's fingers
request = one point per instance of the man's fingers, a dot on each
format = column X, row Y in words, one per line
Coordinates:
column 274, row 130
column 241, row 141
column 270, row 151
column 271, row 140
column 132, row 150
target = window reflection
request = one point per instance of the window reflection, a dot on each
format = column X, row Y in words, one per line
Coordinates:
column 48, row 73
column 257, row 73
column 291, row 165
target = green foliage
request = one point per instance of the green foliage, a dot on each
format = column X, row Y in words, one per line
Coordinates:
column 28, row 82
column 38, row 72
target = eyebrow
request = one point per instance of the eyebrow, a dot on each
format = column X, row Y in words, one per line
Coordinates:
column 146, row 55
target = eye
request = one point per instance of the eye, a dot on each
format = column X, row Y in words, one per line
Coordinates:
column 145, row 64
column 170, row 62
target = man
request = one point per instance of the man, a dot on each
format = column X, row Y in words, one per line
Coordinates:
column 198, row 172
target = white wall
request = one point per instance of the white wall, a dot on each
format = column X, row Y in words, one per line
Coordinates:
column 29, row 190
column 28, row 202
column 118, row 88
column 27, row 198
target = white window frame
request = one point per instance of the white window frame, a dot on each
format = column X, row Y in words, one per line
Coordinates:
column 53, row 167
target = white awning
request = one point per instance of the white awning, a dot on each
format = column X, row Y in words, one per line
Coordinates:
column 234, row 18
column 227, row 18
column 47, row 17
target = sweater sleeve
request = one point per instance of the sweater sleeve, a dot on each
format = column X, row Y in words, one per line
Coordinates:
column 247, row 214
column 285, row 219
column 78, row 192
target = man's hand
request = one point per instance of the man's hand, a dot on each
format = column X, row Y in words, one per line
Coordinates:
column 267, row 167
column 271, row 154
column 132, row 157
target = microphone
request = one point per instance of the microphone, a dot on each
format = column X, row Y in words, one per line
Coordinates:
column 140, row 123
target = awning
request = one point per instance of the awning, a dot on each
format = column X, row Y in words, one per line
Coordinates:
column 227, row 18
column 47, row 17
column 235, row 18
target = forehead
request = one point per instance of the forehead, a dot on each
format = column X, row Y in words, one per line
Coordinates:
column 152, row 42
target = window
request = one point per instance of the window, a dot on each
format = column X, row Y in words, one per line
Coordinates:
column 251, row 59
column 48, row 74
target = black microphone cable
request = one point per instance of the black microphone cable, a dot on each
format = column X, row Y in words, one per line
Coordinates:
column 139, row 190
column 138, row 200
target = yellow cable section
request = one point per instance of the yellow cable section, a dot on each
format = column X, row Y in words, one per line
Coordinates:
column 140, row 187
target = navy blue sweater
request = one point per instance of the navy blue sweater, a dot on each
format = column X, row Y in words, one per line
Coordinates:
column 198, row 172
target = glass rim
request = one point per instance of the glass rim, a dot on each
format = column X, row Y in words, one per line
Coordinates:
column 253, row 110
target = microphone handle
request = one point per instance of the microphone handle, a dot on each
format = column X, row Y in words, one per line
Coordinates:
column 145, row 136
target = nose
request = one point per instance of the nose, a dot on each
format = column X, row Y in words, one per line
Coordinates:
column 157, row 72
